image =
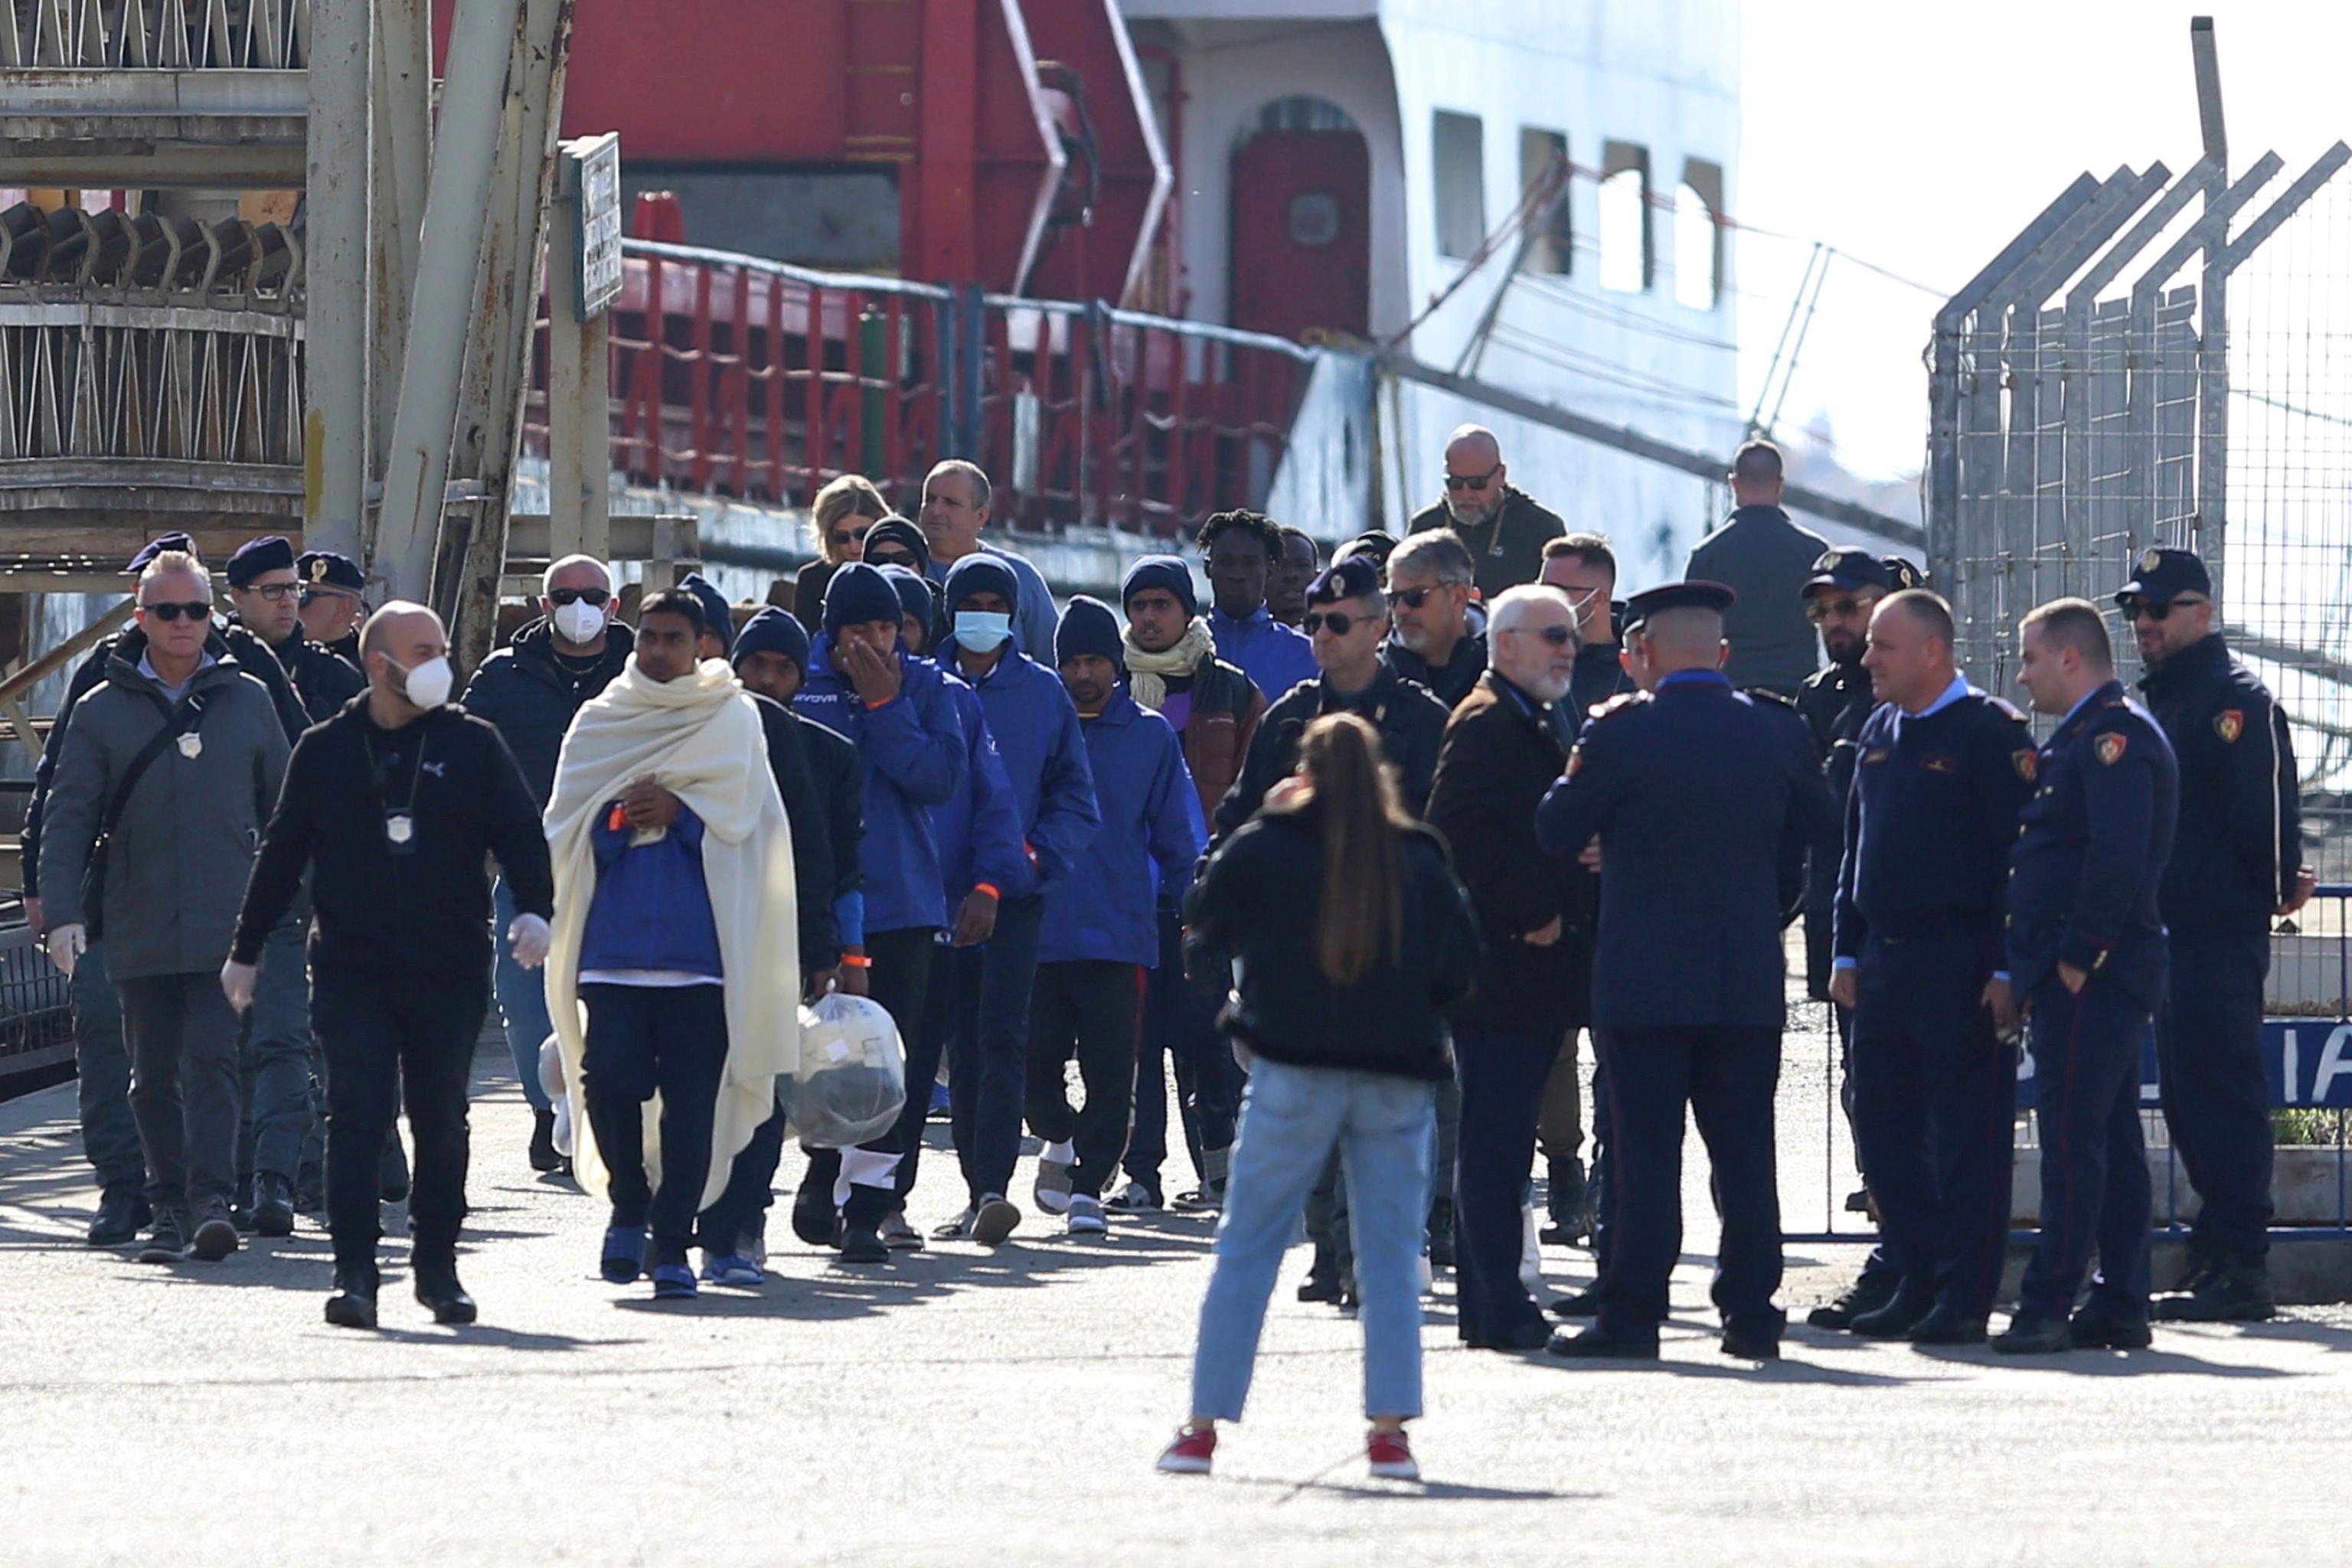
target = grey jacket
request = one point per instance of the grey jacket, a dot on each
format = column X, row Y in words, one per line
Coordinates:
column 176, row 870
column 1765, row 559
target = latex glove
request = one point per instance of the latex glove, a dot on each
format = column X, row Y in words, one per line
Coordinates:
column 528, row 937
column 236, row 984
column 66, row 945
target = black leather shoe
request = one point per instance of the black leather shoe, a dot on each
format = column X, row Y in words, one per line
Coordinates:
column 544, row 1157
column 1750, row 1344
column 1593, row 1344
column 437, row 1291
column 167, row 1240
column 1441, row 1234
column 353, row 1306
column 1866, row 1294
column 1530, row 1336
column 118, row 1220
column 863, row 1244
column 1584, row 1303
column 2229, row 1293
column 215, row 1236
column 1944, row 1327
column 2096, row 1331
column 1319, row 1288
column 273, row 1204
column 1896, row 1319
column 2028, row 1334
column 814, row 1219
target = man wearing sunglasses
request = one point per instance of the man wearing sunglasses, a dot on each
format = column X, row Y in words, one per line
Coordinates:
column 265, row 589
column 1429, row 597
column 334, row 601
column 529, row 693
column 1501, row 525
column 2237, row 861
column 1767, row 559
column 166, row 772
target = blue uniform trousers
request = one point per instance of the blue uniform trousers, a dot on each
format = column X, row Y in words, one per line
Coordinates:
column 1934, row 1110
column 1725, row 1074
column 2094, row 1186
column 2217, row 1098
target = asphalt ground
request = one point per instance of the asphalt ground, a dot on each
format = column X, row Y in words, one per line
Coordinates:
column 972, row 1406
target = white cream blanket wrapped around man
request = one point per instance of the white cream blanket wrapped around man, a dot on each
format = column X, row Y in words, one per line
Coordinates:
column 700, row 738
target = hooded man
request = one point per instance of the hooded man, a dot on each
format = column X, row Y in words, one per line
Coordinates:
column 1101, row 926
column 676, row 934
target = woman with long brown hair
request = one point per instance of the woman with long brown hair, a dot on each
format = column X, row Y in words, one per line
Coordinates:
column 1351, row 939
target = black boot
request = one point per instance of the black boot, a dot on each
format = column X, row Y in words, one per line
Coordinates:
column 214, row 1237
column 120, row 1217
column 1584, row 1303
column 1866, row 1294
column 861, row 1225
column 544, row 1157
column 1441, row 1234
column 273, row 1204
column 353, row 1306
column 2030, row 1334
column 2235, row 1292
column 1903, row 1312
column 1564, row 1201
column 1946, row 1327
column 438, row 1292
column 1322, row 1281
column 167, row 1240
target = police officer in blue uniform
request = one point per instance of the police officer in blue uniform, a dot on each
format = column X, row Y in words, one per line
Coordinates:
column 2086, row 955
column 1703, row 799
column 1941, row 771
column 2237, row 861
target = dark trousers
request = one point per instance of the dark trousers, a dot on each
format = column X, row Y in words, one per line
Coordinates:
column 2094, row 1186
column 1934, row 1106
column 741, row 1210
column 988, row 1045
column 183, row 1089
column 2217, row 1098
column 1725, row 1075
column 644, row 1040
column 1603, row 1171
column 109, row 1132
column 899, row 979
column 1091, row 1008
column 390, row 1041
column 274, row 1060
column 1180, row 1022
column 1503, row 1073
column 1560, row 1129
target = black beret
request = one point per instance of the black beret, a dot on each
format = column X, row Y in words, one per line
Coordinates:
column 255, row 556
column 159, row 545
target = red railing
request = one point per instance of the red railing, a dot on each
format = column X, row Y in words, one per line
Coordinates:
column 736, row 377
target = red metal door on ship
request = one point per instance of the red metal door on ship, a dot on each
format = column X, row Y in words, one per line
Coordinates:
column 1302, row 233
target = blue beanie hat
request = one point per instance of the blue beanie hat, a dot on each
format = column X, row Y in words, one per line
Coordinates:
column 774, row 630
column 858, row 594
column 1161, row 571
column 916, row 596
column 1087, row 627
column 159, row 545
column 980, row 573
column 716, row 618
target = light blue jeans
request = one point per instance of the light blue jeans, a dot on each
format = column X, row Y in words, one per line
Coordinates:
column 522, row 999
column 1292, row 1116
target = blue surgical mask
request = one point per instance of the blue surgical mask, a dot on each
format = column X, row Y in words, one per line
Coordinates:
column 982, row 631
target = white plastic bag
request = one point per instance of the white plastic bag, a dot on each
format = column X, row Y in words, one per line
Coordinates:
column 550, row 1078
column 852, row 1082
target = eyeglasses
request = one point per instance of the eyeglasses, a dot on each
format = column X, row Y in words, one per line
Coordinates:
column 312, row 595
column 2158, row 609
column 596, row 596
column 893, row 559
column 1820, row 610
column 275, row 593
column 847, row 535
column 195, row 610
column 1471, row 482
column 1412, row 598
column 1339, row 623
column 1557, row 636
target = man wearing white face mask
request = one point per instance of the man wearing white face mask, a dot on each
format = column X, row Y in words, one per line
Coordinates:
column 392, row 805
column 529, row 693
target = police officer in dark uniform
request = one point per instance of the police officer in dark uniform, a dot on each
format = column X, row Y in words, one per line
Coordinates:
column 263, row 584
column 1941, row 771
column 2237, row 861
column 334, row 601
column 2086, row 961
column 1703, row 799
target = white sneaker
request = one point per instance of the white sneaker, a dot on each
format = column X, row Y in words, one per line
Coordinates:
column 1052, row 1189
column 1086, row 1215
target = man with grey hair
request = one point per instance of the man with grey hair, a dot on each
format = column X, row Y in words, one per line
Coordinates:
column 529, row 693
column 956, row 502
column 1432, row 642
column 166, row 772
column 1499, row 523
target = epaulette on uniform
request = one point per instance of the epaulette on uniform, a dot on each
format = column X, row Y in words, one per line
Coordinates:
column 1765, row 694
column 1617, row 704
column 2006, row 709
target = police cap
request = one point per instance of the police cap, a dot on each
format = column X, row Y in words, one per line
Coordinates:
column 1850, row 571
column 1692, row 596
column 2163, row 576
column 1354, row 577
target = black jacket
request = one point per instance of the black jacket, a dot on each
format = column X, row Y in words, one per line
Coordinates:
column 252, row 656
column 1600, row 675
column 1502, row 752
column 1836, row 703
column 323, row 681
column 805, row 816
column 529, row 697
column 1451, row 684
column 841, row 787
column 1765, row 559
column 1258, row 898
column 418, row 910
column 1411, row 722
column 2239, row 842
column 1508, row 549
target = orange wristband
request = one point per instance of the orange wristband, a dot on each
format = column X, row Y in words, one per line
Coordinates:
column 856, row 961
column 990, row 889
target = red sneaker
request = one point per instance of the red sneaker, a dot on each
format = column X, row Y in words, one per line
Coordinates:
column 1392, row 1457
column 1190, row 1453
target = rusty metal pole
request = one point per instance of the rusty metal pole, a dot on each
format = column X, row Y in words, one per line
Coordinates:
column 335, row 414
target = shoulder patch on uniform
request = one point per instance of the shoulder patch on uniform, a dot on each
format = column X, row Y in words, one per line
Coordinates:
column 1575, row 761
column 2230, row 723
column 1765, row 694
column 2028, row 763
column 1876, row 754
column 2006, row 709
column 2117, row 700
column 1616, row 704
column 2110, row 746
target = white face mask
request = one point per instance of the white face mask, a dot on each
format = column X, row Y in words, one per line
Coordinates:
column 580, row 621
column 426, row 686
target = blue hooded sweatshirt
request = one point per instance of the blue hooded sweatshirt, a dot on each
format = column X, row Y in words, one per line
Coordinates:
column 915, row 756
column 1037, row 734
column 1143, row 856
column 979, row 831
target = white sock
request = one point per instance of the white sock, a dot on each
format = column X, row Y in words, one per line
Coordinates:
column 1062, row 1154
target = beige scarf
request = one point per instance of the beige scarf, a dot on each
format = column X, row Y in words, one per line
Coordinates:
column 1147, row 673
column 699, row 738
